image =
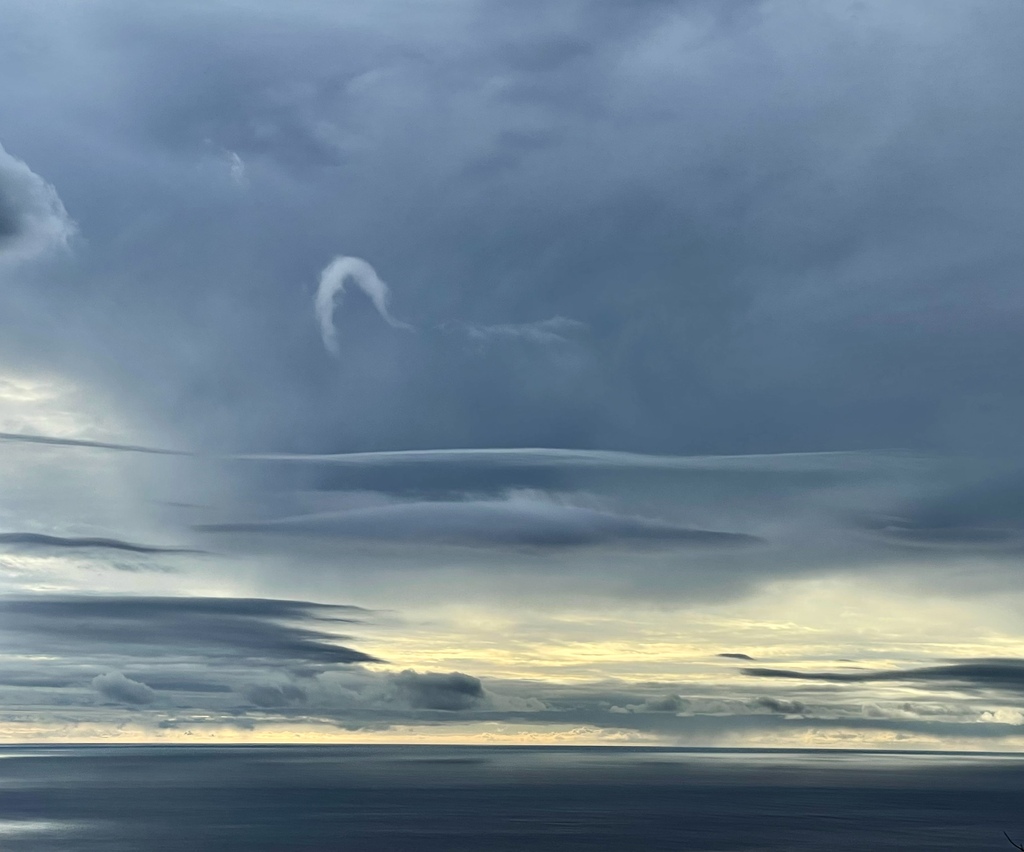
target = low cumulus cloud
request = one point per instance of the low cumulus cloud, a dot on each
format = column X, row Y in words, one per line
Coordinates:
column 436, row 691
column 779, row 705
column 32, row 216
column 332, row 287
column 116, row 687
column 663, row 704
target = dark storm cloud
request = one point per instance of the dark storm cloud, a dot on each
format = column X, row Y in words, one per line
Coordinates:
column 1005, row 674
column 436, row 691
column 38, row 540
column 214, row 629
column 742, row 219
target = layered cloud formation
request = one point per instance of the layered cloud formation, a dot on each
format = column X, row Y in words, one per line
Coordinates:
column 708, row 431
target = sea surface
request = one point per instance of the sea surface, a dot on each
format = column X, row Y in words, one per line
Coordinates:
column 477, row 799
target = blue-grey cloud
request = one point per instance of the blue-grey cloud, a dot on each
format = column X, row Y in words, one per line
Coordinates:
column 116, row 687
column 39, row 540
column 32, row 217
column 267, row 696
column 997, row 673
column 767, row 253
column 742, row 291
column 779, row 705
column 901, row 531
column 54, row 441
column 161, row 627
column 437, row 691
column 518, row 522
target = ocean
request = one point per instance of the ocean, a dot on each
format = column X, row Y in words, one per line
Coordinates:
column 477, row 799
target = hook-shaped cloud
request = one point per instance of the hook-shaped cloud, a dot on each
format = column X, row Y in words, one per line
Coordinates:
column 332, row 287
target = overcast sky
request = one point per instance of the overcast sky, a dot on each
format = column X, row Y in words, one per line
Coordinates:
column 591, row 371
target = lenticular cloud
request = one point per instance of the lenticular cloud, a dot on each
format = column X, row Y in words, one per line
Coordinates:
column 332, row 286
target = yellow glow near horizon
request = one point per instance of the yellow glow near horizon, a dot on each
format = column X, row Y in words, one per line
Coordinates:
column 815, row 622
column 486, row 734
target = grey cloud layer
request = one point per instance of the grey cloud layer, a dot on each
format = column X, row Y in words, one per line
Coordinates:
column 699, row 526
column 352, row 697
column 192, row 662
column 492, row 523
column 718, row 237
column 39, row 540
column 742, row 220
column 999, row 673
column 214, row 628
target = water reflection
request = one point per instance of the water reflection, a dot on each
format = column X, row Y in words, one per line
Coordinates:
column 547, row 799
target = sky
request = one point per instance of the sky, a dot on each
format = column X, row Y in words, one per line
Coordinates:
column 633, row 372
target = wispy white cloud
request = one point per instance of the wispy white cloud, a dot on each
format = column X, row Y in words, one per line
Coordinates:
column 555, row 330
column 238, row 170
column 332, row 286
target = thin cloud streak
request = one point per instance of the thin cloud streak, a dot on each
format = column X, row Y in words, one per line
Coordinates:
column 510, row 523
column 39, row 540
column 810, row 461
column 54, row 441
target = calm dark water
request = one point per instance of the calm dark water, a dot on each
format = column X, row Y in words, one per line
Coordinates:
column 422, row 799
